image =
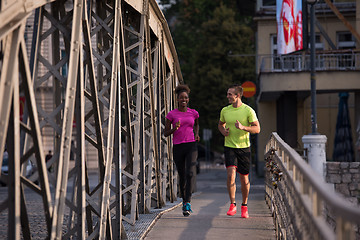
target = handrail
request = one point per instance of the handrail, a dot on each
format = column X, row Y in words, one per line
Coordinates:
column 299, row 63
column 321, row 193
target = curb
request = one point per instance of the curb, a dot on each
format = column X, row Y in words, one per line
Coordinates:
column 147, row 221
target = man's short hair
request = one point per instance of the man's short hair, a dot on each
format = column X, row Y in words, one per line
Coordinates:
column 238, row 89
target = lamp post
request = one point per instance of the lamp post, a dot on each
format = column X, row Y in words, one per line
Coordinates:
column 314, row 143
column 312, row 66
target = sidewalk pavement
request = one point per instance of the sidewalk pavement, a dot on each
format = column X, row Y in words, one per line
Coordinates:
column 209, row 219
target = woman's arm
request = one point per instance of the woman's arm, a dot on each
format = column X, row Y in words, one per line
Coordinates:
column 196, row 130
column 168, row 131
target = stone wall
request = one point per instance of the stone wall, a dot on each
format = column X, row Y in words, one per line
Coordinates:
column 346, row 179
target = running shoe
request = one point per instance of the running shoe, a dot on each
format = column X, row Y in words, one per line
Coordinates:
column 187, row 209
column 232, row 210
column 244, row 212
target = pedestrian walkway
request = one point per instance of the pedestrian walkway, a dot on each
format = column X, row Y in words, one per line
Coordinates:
column 209, row 219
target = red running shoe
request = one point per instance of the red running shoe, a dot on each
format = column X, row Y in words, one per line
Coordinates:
column 244, row 212
column 232, row 210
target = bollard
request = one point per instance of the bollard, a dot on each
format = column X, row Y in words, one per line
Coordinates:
column 316, row 154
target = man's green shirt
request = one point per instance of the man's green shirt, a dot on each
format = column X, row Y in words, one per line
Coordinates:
column 245, row 114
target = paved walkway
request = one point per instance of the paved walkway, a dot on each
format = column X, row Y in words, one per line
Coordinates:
column 209, row 219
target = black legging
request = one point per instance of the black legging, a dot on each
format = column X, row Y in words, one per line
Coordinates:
column 185, row 155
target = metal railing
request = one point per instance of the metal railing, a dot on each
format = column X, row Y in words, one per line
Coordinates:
column 307, row 199
column 298, row 63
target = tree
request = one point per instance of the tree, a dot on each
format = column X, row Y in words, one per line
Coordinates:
column 215, row 69
column 206, row 35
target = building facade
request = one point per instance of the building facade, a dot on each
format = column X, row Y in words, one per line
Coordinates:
column 284, row 99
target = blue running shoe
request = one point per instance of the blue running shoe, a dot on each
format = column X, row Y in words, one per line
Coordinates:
column 187, row 209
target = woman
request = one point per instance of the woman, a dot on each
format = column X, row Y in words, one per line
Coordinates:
column 185, row 122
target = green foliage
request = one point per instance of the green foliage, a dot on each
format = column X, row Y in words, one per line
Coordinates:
column 206, row 35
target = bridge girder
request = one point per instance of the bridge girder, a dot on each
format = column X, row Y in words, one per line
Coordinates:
column 106, row 70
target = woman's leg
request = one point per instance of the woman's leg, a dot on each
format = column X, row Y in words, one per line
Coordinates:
column 179, row 159
column 190, row 165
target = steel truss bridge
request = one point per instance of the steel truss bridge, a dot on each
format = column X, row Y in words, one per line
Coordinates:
column 110, row 68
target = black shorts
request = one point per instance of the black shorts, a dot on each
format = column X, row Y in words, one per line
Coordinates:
column 239, row 158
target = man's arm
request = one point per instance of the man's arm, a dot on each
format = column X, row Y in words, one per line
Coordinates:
column 224, row 131
column 253, row 128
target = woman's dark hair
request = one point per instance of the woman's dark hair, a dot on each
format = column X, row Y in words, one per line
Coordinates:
column 238, row 89
column 182, row 88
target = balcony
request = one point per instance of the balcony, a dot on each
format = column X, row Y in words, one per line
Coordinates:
column 300, row 63
column 335, row 72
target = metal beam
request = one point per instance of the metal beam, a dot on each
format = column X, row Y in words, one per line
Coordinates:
column 67, row 127
column 152, row 106
column 324, row 33
column 111, row 126
column 88, row 81
column 342, row 18
column 35, row 134
column 13, row 137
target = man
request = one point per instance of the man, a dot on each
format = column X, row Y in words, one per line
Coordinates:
column 237, row 121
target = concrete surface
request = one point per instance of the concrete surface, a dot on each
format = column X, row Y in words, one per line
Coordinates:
column 209, row 219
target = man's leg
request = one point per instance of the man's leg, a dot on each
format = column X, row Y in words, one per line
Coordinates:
column 231, row 175
column 245, row 187
column 231, row 186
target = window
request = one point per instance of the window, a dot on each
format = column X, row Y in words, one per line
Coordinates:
column 265, row 4
column 345, row 40
column 343, row 1
column 275, row 64
column 337, row 1
column 319, row 45
column 273, row 38
column 269, row 2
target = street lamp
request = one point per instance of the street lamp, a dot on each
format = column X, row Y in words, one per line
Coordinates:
column 312, row 66
column 314, row 142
